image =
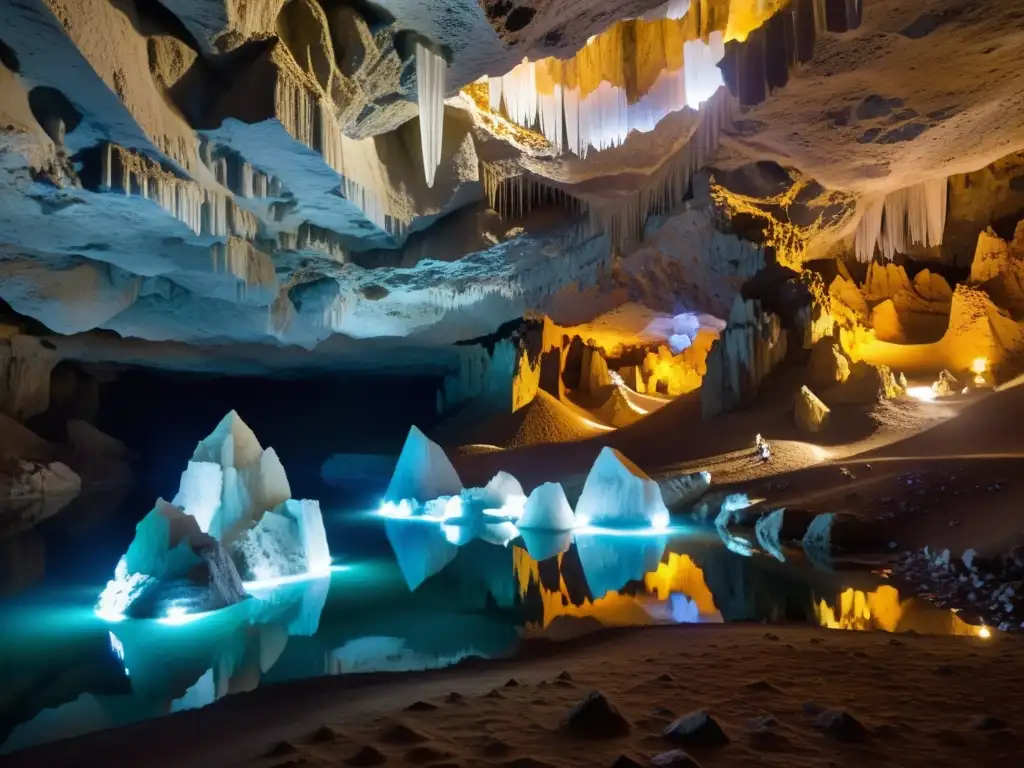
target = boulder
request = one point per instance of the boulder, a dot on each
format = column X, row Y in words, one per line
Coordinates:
column 827, row 365
column 885, row 321
column 932, row 287
column 810, row 413
column 867, row 384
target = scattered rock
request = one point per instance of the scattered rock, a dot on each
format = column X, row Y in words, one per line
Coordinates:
column 666, row 677
column 421, row 706
column 595, row 717
column 841, row 725
column 812, row 708
column 770, row 636
column 495, row 748
column 564, row 675
column 625, row 761
column 512, row 683
column 454, row 698
column 424, row 755
column 676, row 758
column 663, row 712
column 367, row 756
column 697, row 728
column 324, row 735
column 400, row 733
column 282, row 748
column 494, row 693
column 762, row 686
column 988, row 723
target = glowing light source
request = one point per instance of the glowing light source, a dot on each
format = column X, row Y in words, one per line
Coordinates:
column 978, row 368
column 921, row 393
column 984, row 633
column 402, row 509
column 660, row 520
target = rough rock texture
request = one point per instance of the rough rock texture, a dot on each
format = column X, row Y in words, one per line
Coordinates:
column 810, row 413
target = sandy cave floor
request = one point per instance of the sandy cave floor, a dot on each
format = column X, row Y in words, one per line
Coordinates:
column 920, row 700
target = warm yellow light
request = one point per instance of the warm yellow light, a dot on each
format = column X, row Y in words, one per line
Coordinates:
column 984, row 633
column 921, row 393
column 980, row 365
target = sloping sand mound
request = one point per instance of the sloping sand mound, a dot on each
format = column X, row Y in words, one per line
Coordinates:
column 617, row 411
column 544, row 420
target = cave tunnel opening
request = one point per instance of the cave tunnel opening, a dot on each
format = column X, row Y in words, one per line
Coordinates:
column 161, row 416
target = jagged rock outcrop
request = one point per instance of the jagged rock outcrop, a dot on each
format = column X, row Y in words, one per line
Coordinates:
column 998, row 268
column 810, row 413
column 827, row 365
column 749, row 348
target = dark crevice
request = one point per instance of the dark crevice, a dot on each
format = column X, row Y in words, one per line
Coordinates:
column 9, row 58
column 52, row 110
column 151, row 18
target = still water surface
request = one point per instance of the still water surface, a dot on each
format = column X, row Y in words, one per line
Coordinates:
column 404, row 595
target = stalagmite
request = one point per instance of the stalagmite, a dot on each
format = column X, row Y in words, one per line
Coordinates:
column 430, row 79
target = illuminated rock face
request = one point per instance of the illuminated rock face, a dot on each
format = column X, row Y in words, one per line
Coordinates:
column 423, row 472
column 547, row 509
column 171, row 569
column 617, row 493
column 232, row 515
column 811, row 414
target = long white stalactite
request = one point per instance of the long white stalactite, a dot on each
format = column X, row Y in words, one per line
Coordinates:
column 430, row 86
column 604, row 118
column 910, row 216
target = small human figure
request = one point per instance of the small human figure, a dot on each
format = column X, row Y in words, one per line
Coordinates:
column 762, row 448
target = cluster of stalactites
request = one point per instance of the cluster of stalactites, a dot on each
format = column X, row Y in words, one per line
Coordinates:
column 595, row 100
column 910, row 216
column 308, row 119
column 764, row 61
column 513, row 195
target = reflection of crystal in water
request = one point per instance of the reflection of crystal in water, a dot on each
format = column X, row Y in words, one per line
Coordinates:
column 543, row 545
column 679, row 575
column 388, row 654
column 199, row 695
column 610, row 562
column 421, row 549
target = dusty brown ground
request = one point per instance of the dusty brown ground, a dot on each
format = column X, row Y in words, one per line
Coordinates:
column 917, row 697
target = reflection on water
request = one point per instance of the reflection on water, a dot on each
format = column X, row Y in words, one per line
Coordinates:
column 883, row 610
column 437, row 599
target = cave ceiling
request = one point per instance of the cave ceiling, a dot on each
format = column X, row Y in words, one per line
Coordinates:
column 254, row 173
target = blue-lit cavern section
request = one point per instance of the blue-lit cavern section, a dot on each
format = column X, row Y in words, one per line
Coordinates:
column 511, row 382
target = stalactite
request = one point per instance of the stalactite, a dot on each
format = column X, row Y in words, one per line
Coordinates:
column 548, row 93
column 430, row 84
column 910, row 216
column 309, row 120
column 763, row 62
column 625, row 219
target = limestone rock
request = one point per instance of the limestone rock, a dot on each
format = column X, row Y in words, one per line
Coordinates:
column 884, row 281
column 595, row 718
column 18, row 442
column 698, row 729
column 932, row 287
column 34, row 480
column 998, row 266
column 811, row 414
column 867, row 384
column 848, row 303
column 594, row 374
column 827, row 365
column 885, row 321
column 946, row 385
